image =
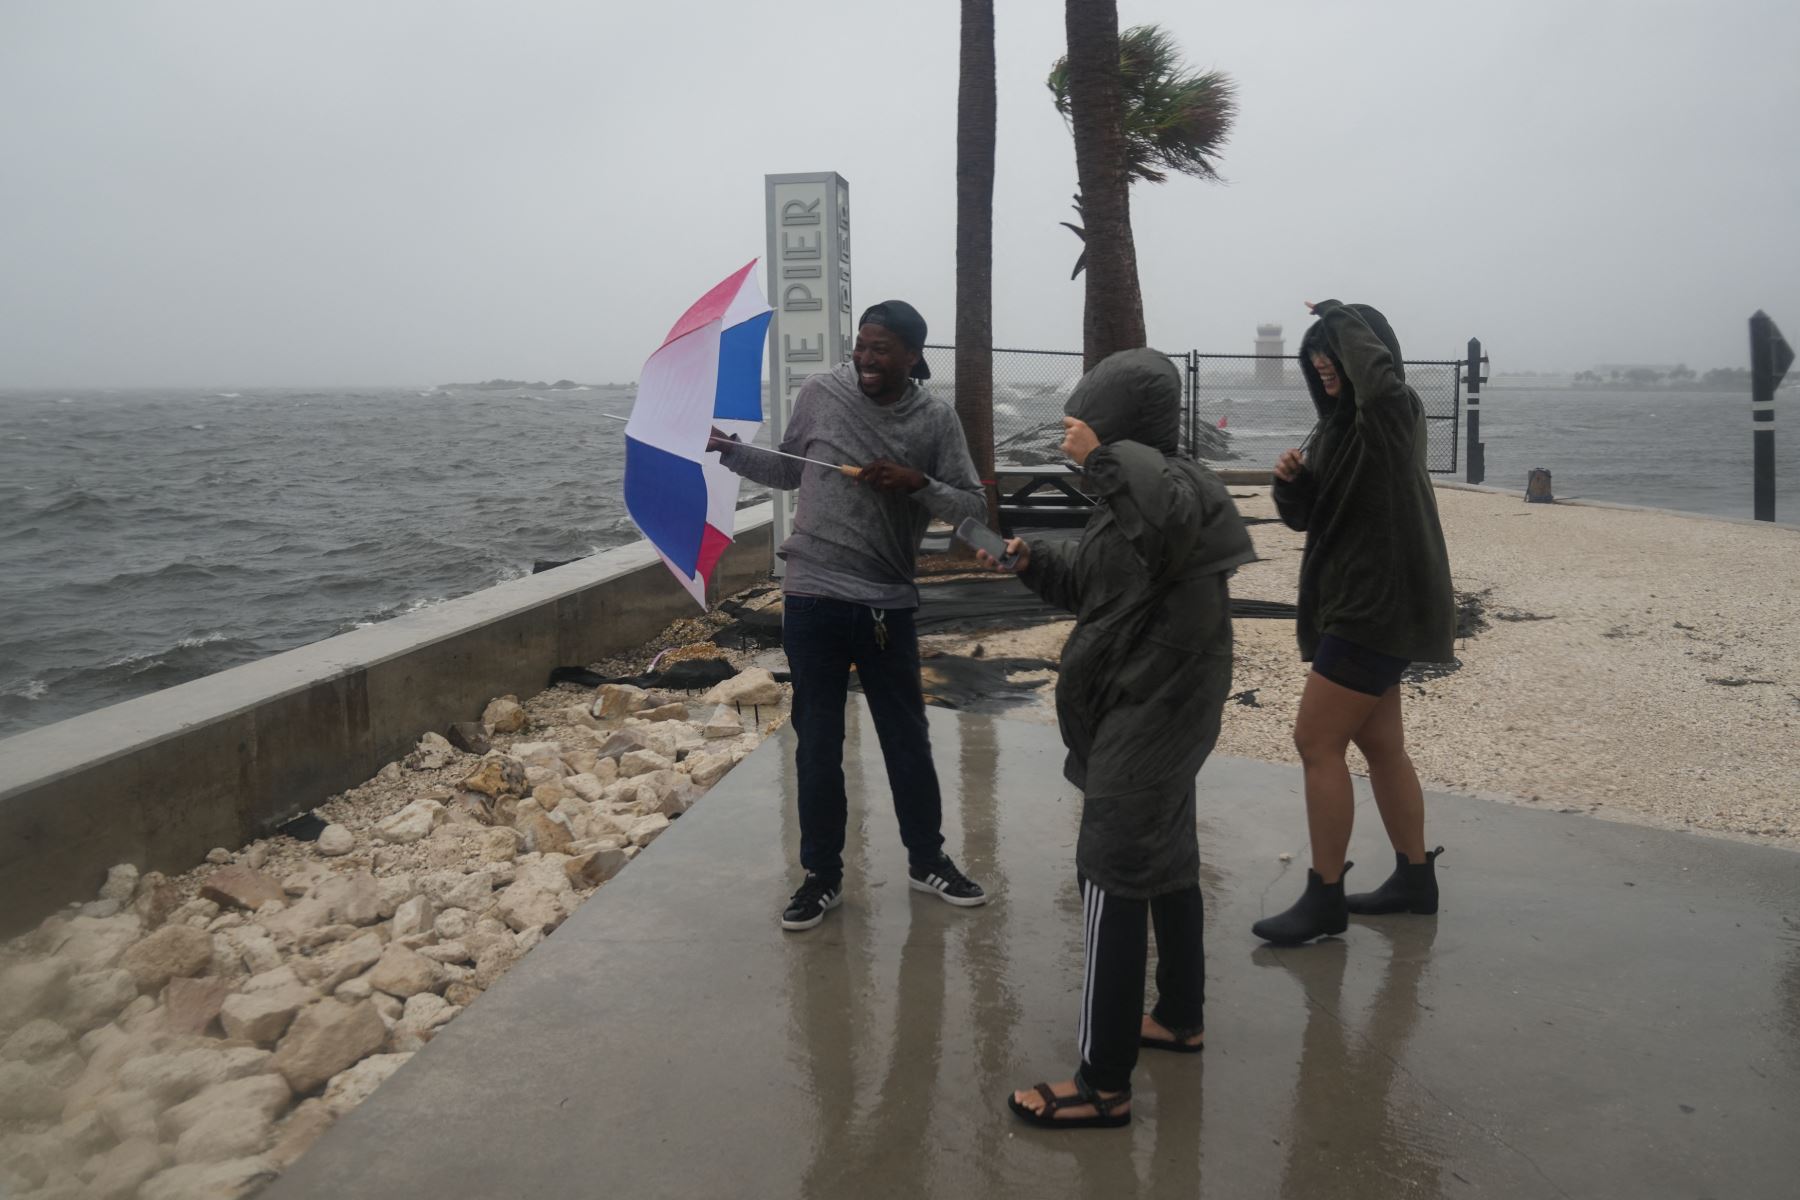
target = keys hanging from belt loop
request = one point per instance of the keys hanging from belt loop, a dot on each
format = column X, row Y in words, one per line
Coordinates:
column 880, row 616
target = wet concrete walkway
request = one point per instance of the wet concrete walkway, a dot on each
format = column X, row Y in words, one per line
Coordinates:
column 1600, row 1010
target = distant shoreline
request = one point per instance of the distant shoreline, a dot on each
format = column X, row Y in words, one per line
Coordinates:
column 516, row 385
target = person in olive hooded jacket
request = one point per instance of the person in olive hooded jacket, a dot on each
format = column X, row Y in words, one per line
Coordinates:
column 1142, row 686
column 1375, row 596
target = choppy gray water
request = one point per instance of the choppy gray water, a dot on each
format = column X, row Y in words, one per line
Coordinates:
column 152, row 537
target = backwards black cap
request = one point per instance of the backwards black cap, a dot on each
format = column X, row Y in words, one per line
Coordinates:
column 906, row 324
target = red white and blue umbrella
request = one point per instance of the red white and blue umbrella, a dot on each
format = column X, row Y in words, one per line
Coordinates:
column 708, row 372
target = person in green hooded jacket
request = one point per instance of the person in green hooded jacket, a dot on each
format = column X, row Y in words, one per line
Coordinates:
column 1142, row 687
column 1375, row 597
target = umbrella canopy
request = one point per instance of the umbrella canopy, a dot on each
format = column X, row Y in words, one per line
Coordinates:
column 707, row 372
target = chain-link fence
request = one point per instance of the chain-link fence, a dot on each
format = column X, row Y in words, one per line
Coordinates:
column 1243, row 410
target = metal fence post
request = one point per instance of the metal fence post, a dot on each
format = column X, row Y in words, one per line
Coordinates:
column 1193, row 404
column 1477, row 451
column 1770, row 357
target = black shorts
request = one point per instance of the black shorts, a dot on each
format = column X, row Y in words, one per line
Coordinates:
column 1357, row 668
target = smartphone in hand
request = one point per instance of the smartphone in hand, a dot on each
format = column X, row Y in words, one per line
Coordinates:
column 974, row 533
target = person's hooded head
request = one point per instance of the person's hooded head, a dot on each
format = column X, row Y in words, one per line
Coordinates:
column 1131, row 396
column 1324, row 371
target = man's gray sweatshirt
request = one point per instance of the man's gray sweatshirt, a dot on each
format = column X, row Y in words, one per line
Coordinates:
column 851, row 542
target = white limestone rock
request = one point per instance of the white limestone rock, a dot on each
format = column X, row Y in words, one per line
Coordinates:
column 172, row 1076
column 354, row 898
column 413, row 917
column 33, row 989
column 403, row 972
column 647, row 829
column 453, row 889
column 130, row 1116
column 26, row 1093
column 642, row 762
column 295, row 1135
column 341, row 962
column 548, row 755
column 723, row 722
column 124, row 1168
column 121, row 883
column 335, row 841
column 453, row 923
column 209, row 1181
column 171, row 952
column 496, row 775
column 525, row 904
column 755, row 686
column 326, row 1038
column 615, row 700
column 262, row 1014
column 265, row 1096
column 504, row 715
column 35, row 1041
column 433, row 752
column 411, row 823
column 350, row 1088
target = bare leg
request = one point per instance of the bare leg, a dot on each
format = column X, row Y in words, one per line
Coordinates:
column 1330, row 715
column 1382, row 740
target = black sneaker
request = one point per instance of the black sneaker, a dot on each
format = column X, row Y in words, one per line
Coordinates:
column 816, row 897
column 943, row 880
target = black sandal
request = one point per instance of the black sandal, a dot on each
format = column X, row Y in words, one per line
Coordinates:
column 1104, row 1117
column 1178, row 1044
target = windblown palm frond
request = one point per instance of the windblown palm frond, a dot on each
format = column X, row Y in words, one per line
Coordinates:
column 1176, row 120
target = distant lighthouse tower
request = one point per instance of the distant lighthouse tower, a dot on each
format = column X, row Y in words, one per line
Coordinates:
column 1273, row 350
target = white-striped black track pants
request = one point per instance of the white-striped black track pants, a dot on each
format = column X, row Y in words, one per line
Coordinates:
column 1116, row 937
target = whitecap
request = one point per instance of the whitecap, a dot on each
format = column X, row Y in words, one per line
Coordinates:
column 196, row 427
column 31, row 689
column 205, row 639
column 228, row 395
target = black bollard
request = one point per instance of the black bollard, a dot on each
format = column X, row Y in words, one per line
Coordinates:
column 1770, row 357
column 1477, row 451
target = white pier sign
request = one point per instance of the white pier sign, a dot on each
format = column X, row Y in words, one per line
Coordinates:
column 809, row 289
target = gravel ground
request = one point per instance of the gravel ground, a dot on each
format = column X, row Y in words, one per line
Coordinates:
column 1640, row 666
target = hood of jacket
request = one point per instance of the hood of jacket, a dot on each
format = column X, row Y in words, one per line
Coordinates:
column 1135, row 396
column 1316, row 341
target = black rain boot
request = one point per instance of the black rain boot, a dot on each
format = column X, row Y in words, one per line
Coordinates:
column 1319, row 912
column 1412, row 888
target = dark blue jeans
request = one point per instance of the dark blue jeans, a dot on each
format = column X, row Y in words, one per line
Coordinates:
column 824, row 639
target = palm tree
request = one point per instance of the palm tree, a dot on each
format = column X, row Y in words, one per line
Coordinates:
column 1171, row 119
column 975, row 243
column 1113, row 309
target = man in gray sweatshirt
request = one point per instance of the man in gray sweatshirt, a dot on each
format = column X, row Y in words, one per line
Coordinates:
column 849, row 593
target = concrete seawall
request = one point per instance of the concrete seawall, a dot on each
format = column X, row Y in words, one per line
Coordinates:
column 160, row 780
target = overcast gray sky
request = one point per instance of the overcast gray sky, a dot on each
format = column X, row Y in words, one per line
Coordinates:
column 217, row 191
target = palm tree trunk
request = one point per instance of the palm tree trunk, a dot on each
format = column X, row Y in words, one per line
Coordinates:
column 975, row 243
column 1113, row 318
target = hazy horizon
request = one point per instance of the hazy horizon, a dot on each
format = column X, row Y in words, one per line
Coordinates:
column 210, row 195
